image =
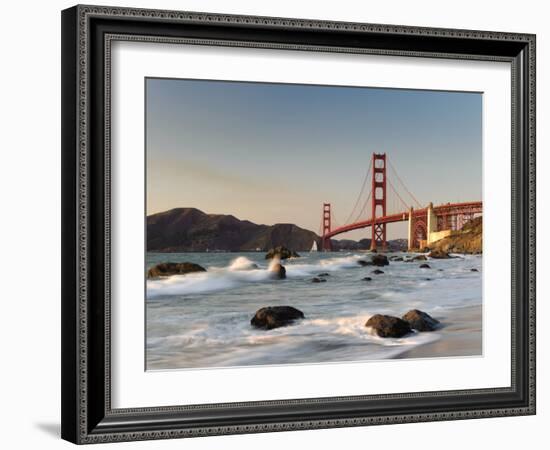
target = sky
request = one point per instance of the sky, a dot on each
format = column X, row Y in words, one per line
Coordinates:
column 273, row 153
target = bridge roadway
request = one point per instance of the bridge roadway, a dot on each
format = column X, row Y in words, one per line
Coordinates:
column 447, row 209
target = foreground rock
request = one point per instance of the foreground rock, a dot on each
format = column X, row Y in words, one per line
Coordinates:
column 388, row 326
column 421, row 321
column 275, row 316
column 378, row 272
column 364, row 263
column 170, row 268
column 278, row 271
column 281, row 253
column 439, row 254
column 318, row 280
column 380, row 260
column 424, row 266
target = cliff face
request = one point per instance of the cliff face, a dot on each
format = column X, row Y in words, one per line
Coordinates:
column 467, row 240
column 191, row 230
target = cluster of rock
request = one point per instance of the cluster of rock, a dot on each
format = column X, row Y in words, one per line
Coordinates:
column 375, row 260
column 439, row 254
column 395, row 327
column 167, row 269
column 281, row 253
column 271, row 317
column 279, row 272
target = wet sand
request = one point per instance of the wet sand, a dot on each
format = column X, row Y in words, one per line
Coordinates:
column 460, row 335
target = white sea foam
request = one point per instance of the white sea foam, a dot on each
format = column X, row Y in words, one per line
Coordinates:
column 240, row 271
column 242, row 263
column 349, row 330
column 296, row 268
column 203, row 319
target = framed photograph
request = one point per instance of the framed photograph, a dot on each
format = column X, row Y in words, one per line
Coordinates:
column 278, row 224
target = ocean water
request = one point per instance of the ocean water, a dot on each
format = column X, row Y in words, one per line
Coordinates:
column 202, row 320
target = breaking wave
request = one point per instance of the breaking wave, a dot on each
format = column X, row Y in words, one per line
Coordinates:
column 240, row 271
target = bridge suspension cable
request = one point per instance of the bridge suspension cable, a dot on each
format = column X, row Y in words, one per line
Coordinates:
column 338, row 225
column 365, row 205
column 418, row 204
column 365, row 179
column 403, row 202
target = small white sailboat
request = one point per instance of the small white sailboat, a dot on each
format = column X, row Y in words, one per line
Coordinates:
column 314, row 247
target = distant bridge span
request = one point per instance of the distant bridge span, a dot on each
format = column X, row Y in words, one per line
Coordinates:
column 426, row 225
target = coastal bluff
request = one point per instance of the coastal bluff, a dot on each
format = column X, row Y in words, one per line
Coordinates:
column 468, row 240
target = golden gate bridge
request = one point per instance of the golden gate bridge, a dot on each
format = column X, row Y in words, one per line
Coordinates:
column 426, row 224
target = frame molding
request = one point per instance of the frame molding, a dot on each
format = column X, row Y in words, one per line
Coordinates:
column 87, row 34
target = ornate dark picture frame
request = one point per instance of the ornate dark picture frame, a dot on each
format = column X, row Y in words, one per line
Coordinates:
column 87, row 33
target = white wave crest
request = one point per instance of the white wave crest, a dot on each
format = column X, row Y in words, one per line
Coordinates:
column 242, row 263
column 240, row 271
column 296, row 269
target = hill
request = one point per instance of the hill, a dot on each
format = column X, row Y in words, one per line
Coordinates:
column 192, row 230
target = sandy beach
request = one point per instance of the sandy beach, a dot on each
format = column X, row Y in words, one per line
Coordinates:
column 460, row 335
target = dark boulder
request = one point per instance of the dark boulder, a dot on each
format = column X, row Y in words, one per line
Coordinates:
column 439, row 254
column 396, row 258
column 377, row 272
column 367, row 279
column 281, row 253
column 424, row 266
column 364, row 263
column 421, row 321
column 380, row 260
column 278, row 271
column 318, row 280
column 474, row 270
column 324, row 274
column 171, row 268
column 388, row 326
column 275, row 316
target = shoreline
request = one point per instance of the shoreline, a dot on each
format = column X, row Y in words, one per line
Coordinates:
column 461, row 335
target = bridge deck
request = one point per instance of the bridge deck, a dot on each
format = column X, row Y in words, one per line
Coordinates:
column 448, row 209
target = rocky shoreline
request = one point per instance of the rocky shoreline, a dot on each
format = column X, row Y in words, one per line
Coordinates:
column 271, row 317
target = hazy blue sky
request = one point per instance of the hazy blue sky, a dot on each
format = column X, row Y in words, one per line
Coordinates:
column 273, row 153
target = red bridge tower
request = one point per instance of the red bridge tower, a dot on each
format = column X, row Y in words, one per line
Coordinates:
column 325, row 244
column 378, row 200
